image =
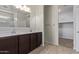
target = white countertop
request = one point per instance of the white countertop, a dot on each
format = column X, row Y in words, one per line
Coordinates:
column 13, row 34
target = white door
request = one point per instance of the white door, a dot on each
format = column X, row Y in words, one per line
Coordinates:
column 47, row 24
column 55, row 24
column 51, row 24
column 76, row 17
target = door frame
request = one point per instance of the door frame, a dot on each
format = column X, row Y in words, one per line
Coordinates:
column 74, row 32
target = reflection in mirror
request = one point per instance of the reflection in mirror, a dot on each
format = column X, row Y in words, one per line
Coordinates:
column 9, row 13
column 6, row 17
column 23, row 19
column 23, row 16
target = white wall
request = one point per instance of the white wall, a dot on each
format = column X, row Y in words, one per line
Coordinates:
column 66, row 30
column 37, row 19
column 51, row 24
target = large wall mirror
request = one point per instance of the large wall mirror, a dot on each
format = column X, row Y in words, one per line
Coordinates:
column 23, row 19
column 11, row 15
column 6, row 16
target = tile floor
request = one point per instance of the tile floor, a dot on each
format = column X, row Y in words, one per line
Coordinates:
column 52, row 49
column 66, row 42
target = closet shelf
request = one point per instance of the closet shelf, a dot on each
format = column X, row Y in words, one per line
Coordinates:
column 67, row 22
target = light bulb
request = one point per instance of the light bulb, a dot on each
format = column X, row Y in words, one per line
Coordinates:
column 27, row 9
column 17, row 6
column 21, row 8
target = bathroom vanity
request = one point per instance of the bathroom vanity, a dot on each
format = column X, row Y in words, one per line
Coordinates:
column 20, row 30
column 20, row 44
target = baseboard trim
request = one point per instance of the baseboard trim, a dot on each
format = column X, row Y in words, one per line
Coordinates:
column 50, row 43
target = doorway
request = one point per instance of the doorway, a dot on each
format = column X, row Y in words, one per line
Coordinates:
column 66, row 25
column 59, row 25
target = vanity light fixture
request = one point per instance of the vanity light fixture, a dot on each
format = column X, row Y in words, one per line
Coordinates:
column 24, row 8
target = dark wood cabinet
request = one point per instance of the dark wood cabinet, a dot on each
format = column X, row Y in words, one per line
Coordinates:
column 20, row 44
column 33, row 41
column 36, row 40
column 24, row 44
column 29, row 42
column 39, row 39
column 8, row 45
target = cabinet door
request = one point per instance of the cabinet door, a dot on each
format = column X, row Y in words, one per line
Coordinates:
column 24, row 45
column 39, row 39
column 33, row 41
column 9, row 45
